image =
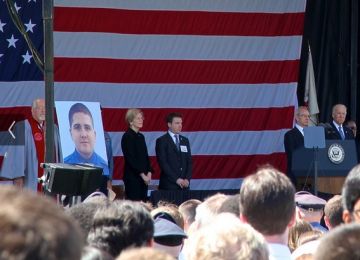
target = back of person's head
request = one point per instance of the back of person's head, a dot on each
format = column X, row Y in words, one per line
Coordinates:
column 93, row 253
column 97, row 197
column 83, row 214
column 121, row 225
column 341, row 243
column 310, row 207
column 306, row 251
column 226, row 238
column 231, row 205
column 34, row 227
column 144, row 253
column 168, row 236
column 300, row 227
column 351, row 194
column 333, row 212
column 309, row 236
column 210, row 207
column 170, row 209
column 188, row 211
column 267, row 201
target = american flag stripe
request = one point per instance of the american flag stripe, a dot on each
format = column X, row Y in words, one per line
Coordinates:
column 244, row 6
column 148, row 95
column 179, row 71
column 177, row 22
column 176, row 47
column 212, row 119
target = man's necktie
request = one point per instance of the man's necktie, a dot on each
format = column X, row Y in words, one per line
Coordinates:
column 177, row 142
column 341, row 133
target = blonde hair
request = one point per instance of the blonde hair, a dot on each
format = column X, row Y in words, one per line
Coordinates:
column 131, row 114
column 225, row 237
column 144, row 253
column 300, row 227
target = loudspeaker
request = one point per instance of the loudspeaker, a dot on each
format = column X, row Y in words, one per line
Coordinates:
column 71, row 179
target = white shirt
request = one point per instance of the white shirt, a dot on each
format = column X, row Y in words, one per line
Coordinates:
column 336, row 125
column 173, row 136
column 300, row 128
column 279, row 252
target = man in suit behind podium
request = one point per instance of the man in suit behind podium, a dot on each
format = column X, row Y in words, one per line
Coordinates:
column 174, row 156
column 294, row 138
column 336, row 129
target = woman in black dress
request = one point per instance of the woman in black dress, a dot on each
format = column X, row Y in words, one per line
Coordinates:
column 137, row 169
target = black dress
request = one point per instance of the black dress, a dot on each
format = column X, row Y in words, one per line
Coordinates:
column 136, row 162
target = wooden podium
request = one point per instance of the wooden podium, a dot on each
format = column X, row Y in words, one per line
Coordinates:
column 334, row 163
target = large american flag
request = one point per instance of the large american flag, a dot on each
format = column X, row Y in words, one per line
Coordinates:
column 230, row 67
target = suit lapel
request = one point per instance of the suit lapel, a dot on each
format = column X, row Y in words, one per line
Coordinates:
column 337, row 131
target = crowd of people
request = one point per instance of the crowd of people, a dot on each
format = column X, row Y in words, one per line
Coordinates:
column 267, row 219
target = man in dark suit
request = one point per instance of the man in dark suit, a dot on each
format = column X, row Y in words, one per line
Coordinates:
column 294, row 138
column 337, row 130
column 174, row 156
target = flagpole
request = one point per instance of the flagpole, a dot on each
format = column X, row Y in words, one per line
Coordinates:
column 47, row 9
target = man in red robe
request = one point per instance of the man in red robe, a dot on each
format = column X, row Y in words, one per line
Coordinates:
column 22, row 162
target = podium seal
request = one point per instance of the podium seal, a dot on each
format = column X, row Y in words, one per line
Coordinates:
column 336, row 153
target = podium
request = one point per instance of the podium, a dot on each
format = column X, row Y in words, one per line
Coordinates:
column 334, row 163
column 71, row 179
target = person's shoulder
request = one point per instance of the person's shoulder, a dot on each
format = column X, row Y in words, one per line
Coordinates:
column 100, row 160
column 127, row 134
column 162, row 137
column 184, row 137
column 348, row 130
column 70, row 158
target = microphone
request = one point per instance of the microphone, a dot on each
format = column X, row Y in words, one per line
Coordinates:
column 329, row 130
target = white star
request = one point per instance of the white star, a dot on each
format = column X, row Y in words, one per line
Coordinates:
column 12, row 41
column 26, row 57
column 2, row 26
column 17, row 7
column 29, row 26
column 1, row 56
column 31, row 0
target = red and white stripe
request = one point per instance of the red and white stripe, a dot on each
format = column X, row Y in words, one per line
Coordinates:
column 230, row 67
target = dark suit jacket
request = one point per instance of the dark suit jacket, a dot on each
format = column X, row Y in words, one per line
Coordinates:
column 293, row 139
column 332, row 133
column 173, row 163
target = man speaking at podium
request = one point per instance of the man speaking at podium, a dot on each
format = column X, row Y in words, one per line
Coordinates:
column 294, row 138
column 336, row 129
column 22, row 162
